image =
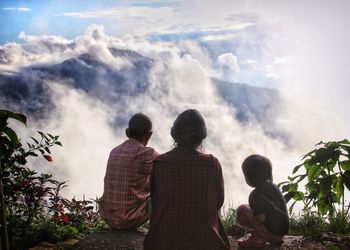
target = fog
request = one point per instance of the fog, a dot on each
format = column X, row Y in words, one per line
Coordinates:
column 180, row 78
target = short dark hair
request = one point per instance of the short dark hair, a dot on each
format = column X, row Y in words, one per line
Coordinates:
column 257, row 170
column 189, row 128
column 139, row 126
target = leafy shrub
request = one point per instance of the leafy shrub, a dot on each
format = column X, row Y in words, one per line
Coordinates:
column 35, row 210
column 327, row 174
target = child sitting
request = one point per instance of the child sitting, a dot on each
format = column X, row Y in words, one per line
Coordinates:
column 266, row 216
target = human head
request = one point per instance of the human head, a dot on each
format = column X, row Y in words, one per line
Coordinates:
column 140, row 128
column 257, row 170
column 189, row 129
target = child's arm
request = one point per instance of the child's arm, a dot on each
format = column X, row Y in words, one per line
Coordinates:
column 258, row 223
column 259, row 220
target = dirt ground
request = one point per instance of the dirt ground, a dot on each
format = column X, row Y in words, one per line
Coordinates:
column 132, row 240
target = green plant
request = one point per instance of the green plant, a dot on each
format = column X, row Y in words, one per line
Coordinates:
column 229, row 222
column 81, row 214
column 22, row 188
column 339, row 223
column 307, row 223
column 327, row 174
column 35, row 210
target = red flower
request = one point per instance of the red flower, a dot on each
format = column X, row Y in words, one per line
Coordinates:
column 63, row 218
column 25, row 183
column 48, row 157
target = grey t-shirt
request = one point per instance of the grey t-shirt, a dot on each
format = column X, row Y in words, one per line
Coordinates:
column 269, row 200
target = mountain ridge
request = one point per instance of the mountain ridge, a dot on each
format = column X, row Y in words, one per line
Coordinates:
column 29, row 90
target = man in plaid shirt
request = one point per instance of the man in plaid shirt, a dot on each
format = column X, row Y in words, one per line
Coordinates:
column 126, row 194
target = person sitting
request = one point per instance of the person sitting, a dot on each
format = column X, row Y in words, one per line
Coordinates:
column 126, row 194
column 266, row 217
column 187, row 191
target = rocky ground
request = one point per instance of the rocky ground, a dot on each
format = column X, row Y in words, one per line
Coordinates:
column 132, row 240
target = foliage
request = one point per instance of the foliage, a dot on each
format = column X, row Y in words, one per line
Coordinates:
column 327, row 174
column 339, row 223
column 309, row 223
column 229, row 222
column 35, row 209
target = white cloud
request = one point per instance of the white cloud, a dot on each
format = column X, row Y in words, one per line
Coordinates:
column 125, row 13
column 228, row 67
column 163, row 20
column 20, row 9
column 23, row 9
column 222, row 37
column 179, row 79
column 49, row 49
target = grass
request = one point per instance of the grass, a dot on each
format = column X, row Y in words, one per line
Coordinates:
column 229, row 222
column 306, row 223
column 310, row 223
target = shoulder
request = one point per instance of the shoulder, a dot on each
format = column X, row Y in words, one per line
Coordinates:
column 147, row 152
column 254, row 194
column 150, row 150
column 276, row 190
column 272, row 188
column 119, row 147
column 254, row 198
column 209, row 158
column 165, row 156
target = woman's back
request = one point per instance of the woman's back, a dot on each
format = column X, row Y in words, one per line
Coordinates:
column 186, row 191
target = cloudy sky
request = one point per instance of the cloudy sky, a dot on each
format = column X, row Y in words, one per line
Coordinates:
column 260, row 38
column 300, row 48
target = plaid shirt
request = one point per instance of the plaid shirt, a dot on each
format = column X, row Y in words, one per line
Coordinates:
column 187, row 192
column 126, row 185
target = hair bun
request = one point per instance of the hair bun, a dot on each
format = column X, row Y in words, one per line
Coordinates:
column 189, row 123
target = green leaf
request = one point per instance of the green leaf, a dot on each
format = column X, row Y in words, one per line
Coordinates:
column 11, row 135
column 323, row 155
column 345, row 165
column 309, row 154
column 35, row 140
column 293, row 187
column 282, row 183
column 5, row 114
column 320, row 143
column 32, row 154
column 298, row 196
column 285, row 188
column 300, row 176
column 325, row 186
column 345, row 141
column 297, row 168
column 58, row 143
column 346, row 179
column 288, row 196
column 313, row 172
column 339, row 188
column 313, row 189
column 291, row 207
column 47, row 150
